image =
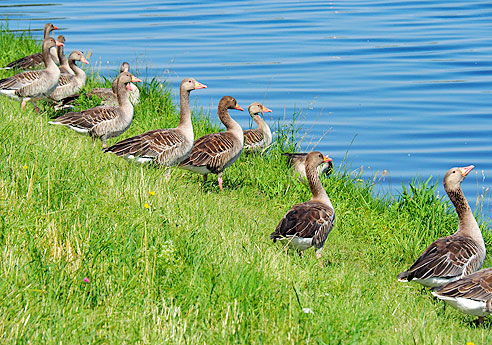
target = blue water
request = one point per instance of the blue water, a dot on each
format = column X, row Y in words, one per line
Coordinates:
column 402, row 86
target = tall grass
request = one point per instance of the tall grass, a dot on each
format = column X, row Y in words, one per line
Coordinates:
column 96, row 250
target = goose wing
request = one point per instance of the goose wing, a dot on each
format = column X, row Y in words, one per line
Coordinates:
column 20, row 80
column 26, row 62
column 160, row 145
column 253, row 138
column 212, row 151
column 476, row 286
column 448, row 257
column 87, row 119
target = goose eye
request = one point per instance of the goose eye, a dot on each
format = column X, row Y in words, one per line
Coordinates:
column 454, row 171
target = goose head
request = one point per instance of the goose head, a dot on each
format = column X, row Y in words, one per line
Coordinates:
column 257, row 109
column 126, row 78
column 189, row 84
column 229, row 102
column 77, row 55
column 454, row 176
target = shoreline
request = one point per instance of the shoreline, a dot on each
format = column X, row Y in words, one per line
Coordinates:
column 83, row 259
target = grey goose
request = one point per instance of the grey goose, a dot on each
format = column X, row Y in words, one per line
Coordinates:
column 452, row 257
column 308, row 224
column 165, row 147
column 214, row 152
column 260, row 138
column 108, row 95
column 35, row 60
column 104, row 122
column 34, row 85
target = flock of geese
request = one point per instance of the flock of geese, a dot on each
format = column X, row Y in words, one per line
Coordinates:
column 450, row 265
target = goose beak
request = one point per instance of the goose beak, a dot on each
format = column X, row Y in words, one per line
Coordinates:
column 135, row 79
column 266, row 110
column 84, row 60
column 59, row 44
column 55, row 27
column 326, row 159
column 200, row 86
column 238, row 108
column 466, row 170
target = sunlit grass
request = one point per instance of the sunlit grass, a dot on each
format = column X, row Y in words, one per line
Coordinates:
column 94, row 249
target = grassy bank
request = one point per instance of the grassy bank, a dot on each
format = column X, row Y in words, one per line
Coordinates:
column 96, row 250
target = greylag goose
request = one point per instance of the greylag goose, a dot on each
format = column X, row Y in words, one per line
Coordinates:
column 298, row 163
column 214, row 152
column 166, row 147
column 260, row 138
column 35, row 60
column 471, row 294
column 451, row 257
column 108, row 95
column 69, row 85
column 34, row 85
column 103, row 122
column 64, row 67
column 308, row 224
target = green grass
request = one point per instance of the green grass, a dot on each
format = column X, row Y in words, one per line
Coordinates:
column 197, row 266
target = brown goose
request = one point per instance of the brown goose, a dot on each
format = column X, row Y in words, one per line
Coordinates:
column 108, row 95
column 103, row 122
column 69, row 85
column 309, row 223
column 451, row 257
column 298, row 163
column 260, row 138
column 213, row 153
column 165, row 147
column 471, row 294
column 64, row 67
column 34, row 85
column 35, row 60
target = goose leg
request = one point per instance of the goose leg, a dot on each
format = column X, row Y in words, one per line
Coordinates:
column 480, row 320
column 23, row 105
column 204, row 177
column 219, row 178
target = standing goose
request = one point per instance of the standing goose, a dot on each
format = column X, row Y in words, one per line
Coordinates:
column 451, row 257
column 261, row 137
column 64, row 66
column 35, row 60
column 108, row 95
column 298, row 163
column 309, row 223
column 471, row 294
column 214, row 152
column 165, row 147
column 69, row 85
column 34, row 85
column 103, row 122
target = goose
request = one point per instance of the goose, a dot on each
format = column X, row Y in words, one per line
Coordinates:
column 298, row 163
column 69, row 85
column 214, row 152
column 471, row 294
column 104, row 122
column 64, row 67
column 308, row 224
column 35, row 60
column 108, row 95
column 452, row 257
column 34, row 85
column 165, row 147
column 260, row 138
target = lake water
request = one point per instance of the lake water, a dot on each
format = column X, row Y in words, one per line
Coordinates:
column 402, row 86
